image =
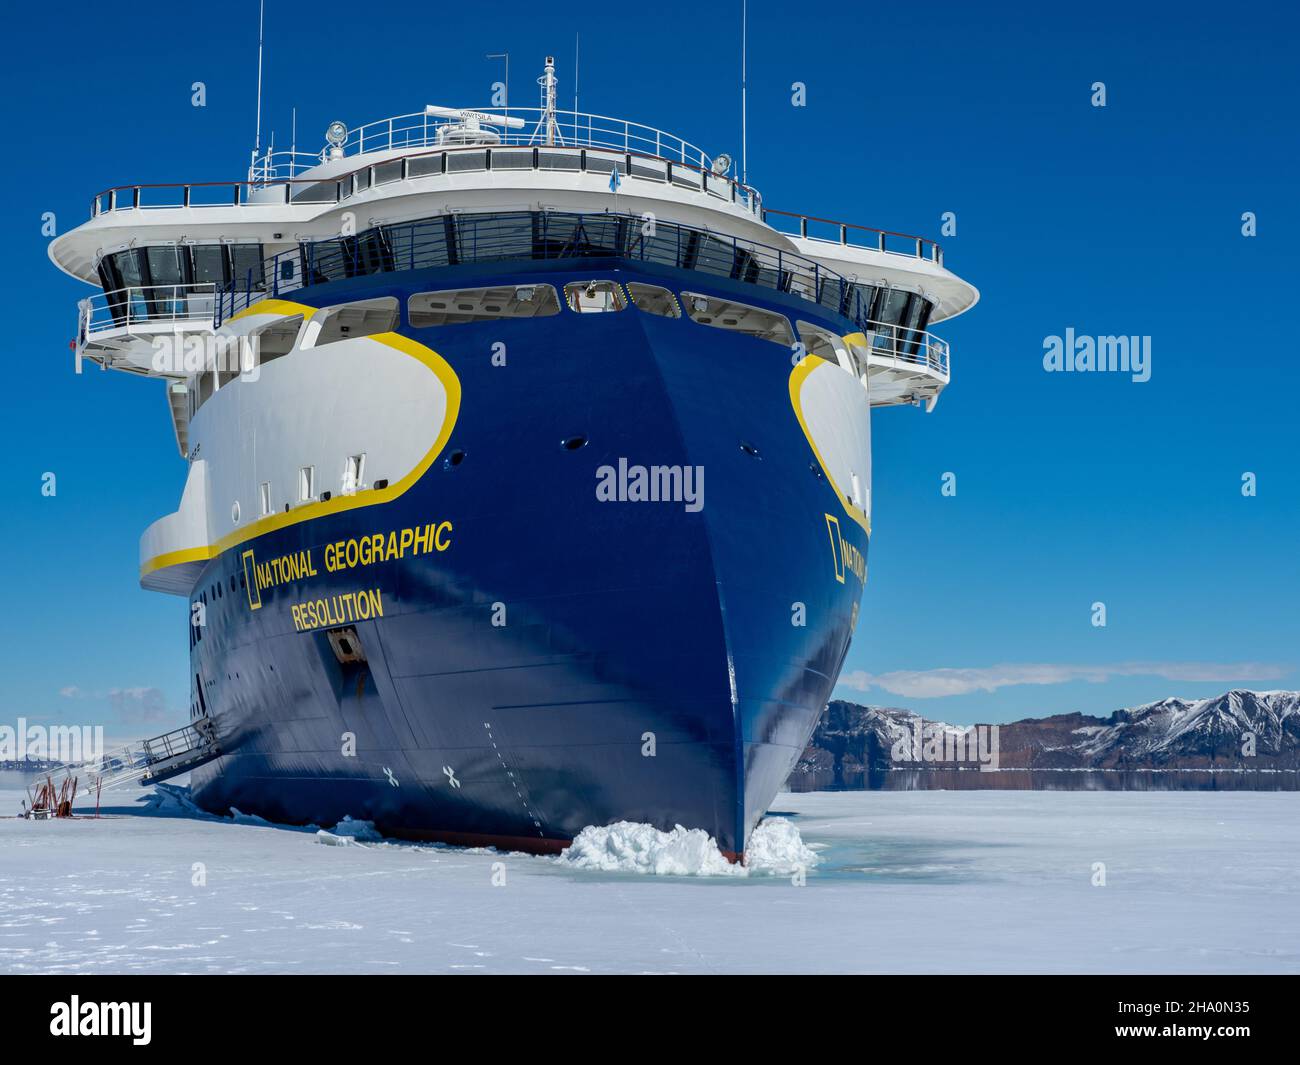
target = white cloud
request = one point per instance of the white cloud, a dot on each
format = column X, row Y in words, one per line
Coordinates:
column 935, row 683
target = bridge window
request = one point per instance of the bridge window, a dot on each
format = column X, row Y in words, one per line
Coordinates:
column 891, row 308
column 864, row 303
column 180, row 264
column 739, row 317
column 362, row 319
column 209, row 264
column 373, row 255
column 893, row 305
column 246, row 267
column 457, row 306
column 594, row 297
column 163, row 276
column 131, row 267
column 914, row 321
column 168, row 264
column 654, row 300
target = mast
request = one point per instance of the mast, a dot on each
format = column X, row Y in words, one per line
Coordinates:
column 547, row 127
column 257, row 136
column 744, row 106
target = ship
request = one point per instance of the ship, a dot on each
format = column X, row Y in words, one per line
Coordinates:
column 528, row 467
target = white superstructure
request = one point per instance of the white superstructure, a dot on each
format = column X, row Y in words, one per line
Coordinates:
column 162, row 252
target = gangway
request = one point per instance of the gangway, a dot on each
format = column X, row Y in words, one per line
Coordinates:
column 146, row 762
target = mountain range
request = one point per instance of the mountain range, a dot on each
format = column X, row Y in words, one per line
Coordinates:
column 1239, row 730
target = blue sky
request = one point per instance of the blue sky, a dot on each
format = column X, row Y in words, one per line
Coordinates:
column 1071, row 489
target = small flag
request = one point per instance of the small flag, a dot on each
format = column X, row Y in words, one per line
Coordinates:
column 614, row 179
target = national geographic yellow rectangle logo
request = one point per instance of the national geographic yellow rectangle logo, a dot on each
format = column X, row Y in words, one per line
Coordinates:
column 837, row 554
column 250, row 581
column 846, row 557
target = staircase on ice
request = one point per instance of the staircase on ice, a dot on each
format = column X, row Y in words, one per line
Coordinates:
column 147, row 762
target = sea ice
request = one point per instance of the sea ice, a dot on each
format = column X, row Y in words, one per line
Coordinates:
column 969, row 881
column 347, row 832
column 628, row 847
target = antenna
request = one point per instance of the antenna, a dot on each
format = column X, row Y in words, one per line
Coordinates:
column 546, row 125
column 744, row 104
column 257, row 136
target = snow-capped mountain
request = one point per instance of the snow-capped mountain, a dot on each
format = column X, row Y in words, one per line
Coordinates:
column 1237, row 730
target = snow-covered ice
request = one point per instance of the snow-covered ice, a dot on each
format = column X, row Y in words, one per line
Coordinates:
column 992, row 881
column 775, row 848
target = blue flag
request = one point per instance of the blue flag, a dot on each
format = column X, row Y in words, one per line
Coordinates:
column 614, row 179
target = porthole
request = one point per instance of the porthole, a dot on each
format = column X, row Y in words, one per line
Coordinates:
column 573, row 443
column 749, row 449
column 234, row 513
column 454, row 459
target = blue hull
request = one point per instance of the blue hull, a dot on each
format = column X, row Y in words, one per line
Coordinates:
column 647, row 668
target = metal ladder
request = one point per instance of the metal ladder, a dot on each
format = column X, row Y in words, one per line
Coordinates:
column 147, row 761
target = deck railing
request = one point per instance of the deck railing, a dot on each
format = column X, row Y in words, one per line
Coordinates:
column 684, row 176
column 898, row 343
column 145, row 304
column 523, row 236
column 573, row 129
column 847, row 233
column 337, row 188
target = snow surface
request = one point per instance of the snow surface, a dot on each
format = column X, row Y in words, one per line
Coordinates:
column 971, row 881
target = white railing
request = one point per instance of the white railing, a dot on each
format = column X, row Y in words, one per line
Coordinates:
column 154, row 758
column 281, row 165
column 827, row 231
column 146, row 305
column 893, row 344
column 276, row 192
column 573, row 129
